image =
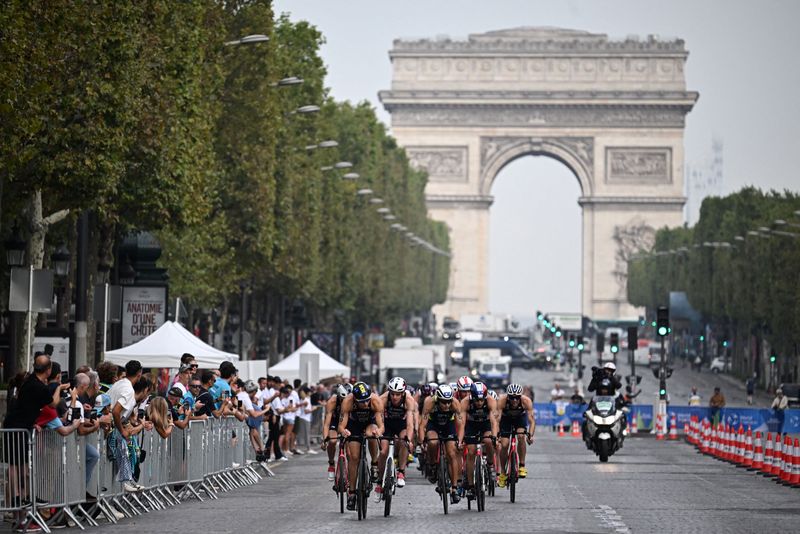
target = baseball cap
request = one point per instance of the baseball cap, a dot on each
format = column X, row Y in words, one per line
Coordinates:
column 250, row 386
column 185, row 367
column 102, row 401
column 175, row 392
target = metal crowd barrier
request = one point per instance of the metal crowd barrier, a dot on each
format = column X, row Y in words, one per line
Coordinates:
column 49, row 470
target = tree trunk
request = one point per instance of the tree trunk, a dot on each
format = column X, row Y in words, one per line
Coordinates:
column 37, row 226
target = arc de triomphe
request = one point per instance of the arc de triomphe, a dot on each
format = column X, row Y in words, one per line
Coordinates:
column 611, row 111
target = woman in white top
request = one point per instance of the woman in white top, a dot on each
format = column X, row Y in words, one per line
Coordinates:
column 304, row 420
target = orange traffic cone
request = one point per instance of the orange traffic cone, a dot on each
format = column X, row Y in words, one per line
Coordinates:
column 766, row 470
column 634, row 424
column 788, row 460
column 706, row 443
column 747, row 457
column 758, row 455
column 659, row 427
column 794, row 477
column 777, row 456
column 576, row 429
column 673, row 427
column 739, row 454
column 561, row 432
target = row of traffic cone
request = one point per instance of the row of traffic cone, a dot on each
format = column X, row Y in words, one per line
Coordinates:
column 779, row 459
column 575, row 432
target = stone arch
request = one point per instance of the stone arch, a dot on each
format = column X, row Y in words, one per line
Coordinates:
column 577, row 153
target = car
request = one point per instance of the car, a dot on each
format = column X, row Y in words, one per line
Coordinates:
column 792, row 393
column 719, row 365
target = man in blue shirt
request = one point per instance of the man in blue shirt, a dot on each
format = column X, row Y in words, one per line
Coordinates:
column 221, row 389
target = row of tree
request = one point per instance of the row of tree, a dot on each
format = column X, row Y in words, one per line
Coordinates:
column 140, row 114
column 739, row 268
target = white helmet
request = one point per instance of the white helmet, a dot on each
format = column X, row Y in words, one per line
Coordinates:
column 342, row 390
column 493, row 394
column 610, row 365
column 444, row 393
column 397, row 385
column 514, row 390
column 464, row 383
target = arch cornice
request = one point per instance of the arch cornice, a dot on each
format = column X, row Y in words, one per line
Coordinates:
column 577, row 153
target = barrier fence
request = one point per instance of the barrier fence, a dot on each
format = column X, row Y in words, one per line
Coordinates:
column 761, row 419
column 43, row 475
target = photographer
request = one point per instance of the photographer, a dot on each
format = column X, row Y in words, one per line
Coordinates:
column 205, row 404
column 123, row 402
column 89, row 425
column 180, row 409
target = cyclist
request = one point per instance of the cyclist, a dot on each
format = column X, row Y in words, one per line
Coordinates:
column 482, row 426
column 333, row 410
column 361, row 414
column 442, row 419
column 463, row 385
column 516, row 412
column 425, row 391
column 398, row 418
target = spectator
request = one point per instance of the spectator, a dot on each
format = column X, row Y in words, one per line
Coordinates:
column 716, row 403
column 123, row 402
column 187, row 360
column 178, row 409
column 304, row 419
column 107, row 373
column 204, row 405
column 577, row 397
column 779, row 406
column 88, row 425
column 251, row 404
column 221, row 390
column 281, row 406
column 274, row 420
column 182, row 379
column 288, row 420
column 159, row 414
column 87, row 398
column 750, row 387
column 694, row 398
column 195, row 387
column 556, row 394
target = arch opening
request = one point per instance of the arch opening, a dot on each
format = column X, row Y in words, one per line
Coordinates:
column 535, row 237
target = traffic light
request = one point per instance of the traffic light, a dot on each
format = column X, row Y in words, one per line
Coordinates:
column 614, row 342
column 702, row 338
column 580, row 342
column 662, row 392
column 772, row 358
column 600, row 343
column 725, row 344
column 633, row 338
column 662, row 321
column 571, row 341
column 539, row 316
column 558, row 332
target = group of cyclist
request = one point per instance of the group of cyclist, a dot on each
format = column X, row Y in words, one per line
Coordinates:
column 464, row 414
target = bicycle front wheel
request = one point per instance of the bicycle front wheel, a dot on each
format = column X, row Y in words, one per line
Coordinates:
column 479, row 485
column 388, row 488
column 443, row 484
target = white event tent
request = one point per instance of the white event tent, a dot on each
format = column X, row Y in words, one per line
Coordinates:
column 289, row 367
column 164, row 347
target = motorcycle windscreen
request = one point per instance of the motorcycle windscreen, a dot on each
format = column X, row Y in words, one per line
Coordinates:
column 604, row 404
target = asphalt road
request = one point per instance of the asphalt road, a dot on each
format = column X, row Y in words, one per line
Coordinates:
column 648, row 486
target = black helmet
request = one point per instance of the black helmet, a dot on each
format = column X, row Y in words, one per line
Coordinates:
column 361, row 391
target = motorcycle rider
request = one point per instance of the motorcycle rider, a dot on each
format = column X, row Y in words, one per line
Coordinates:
column 605, row 382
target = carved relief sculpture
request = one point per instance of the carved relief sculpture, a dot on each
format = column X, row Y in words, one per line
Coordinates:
column 443, row 164
column 638, row 165
column 630, row 238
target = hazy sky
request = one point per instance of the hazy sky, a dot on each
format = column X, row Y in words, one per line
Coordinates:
column 743, row 60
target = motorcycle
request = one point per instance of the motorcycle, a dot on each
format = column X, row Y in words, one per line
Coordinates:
column 604, row 427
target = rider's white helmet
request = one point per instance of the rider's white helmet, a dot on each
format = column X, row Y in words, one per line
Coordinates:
column 397, row 385
column 610, row 365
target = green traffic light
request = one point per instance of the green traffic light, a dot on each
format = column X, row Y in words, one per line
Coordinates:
column 702, row 338
column 663, row 392
column 553, row 329
column 662, row 331
column 724, row 343
column 580, row 346
column 571, row 343
column 614, row 349
column 772, row 359
column 558, row 333
column 653, row 324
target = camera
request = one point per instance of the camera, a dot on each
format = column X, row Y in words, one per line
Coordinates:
column 76, row 414
column 240, row 403
column 140, row 413
column 93, row 415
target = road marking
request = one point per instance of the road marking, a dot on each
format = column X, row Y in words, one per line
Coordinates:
column 607, row 516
